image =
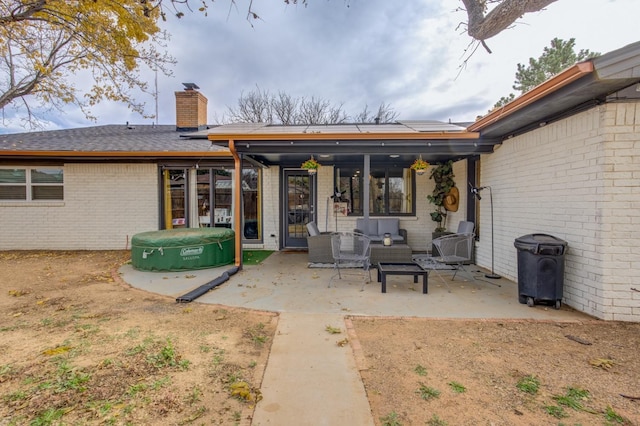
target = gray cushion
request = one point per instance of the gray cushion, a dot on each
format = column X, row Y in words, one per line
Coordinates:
column 390, row 226
column 373, row 226
column 313, row 230
column 465, row 227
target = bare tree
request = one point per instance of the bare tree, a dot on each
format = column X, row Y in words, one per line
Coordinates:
column 259, row 106
column 254, row 107
column 285, row 108
column 336, row 115
column 385, row 114
column 320, row 111
column 363, row 116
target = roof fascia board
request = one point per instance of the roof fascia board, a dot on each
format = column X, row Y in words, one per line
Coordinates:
column 342, row 136
column 566, row 77
column 115, row 154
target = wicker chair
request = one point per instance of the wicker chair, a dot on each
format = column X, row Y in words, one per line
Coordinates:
column 319, row 245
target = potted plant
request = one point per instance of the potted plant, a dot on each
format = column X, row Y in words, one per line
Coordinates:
column 420, row 166
column 311, row 165
column 443, row 176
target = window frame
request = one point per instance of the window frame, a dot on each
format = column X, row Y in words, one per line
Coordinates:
column 387, row 176
column 29, row 184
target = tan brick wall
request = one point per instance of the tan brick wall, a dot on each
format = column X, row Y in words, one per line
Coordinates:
column 578, row 180
column 104, row 206
column 191, row 109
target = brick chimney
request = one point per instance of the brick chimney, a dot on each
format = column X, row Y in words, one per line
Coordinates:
column 191, row 109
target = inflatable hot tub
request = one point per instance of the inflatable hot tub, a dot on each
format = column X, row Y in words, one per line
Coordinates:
column 182, row 249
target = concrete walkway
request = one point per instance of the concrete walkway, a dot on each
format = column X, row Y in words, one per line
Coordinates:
column 306, row 369
column 306, row 366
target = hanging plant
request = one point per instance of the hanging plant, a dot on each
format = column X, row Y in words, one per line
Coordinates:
column 443, row 176
column 311, row 165
column 420, row 166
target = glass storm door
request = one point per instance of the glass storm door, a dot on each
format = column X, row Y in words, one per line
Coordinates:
column 298, row 206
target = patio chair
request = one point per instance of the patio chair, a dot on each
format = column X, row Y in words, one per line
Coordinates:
column 352, row 250
column 318, row 245
column 455, row 250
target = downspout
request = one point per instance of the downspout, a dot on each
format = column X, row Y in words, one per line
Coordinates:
column 237, row 212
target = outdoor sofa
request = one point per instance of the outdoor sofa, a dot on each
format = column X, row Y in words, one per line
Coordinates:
column 378, row 227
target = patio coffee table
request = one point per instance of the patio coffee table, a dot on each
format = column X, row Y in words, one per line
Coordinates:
column 414, row 269
column 397, row 253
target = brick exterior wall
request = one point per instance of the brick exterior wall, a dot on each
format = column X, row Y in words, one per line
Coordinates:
column 104, row 206
column 577, row 179
column 270, row 210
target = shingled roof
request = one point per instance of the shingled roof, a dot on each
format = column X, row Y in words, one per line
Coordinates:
column 137, row 141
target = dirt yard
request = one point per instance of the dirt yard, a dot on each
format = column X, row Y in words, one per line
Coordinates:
column 80, row 347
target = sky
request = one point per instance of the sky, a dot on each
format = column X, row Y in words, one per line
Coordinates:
column 409, row 55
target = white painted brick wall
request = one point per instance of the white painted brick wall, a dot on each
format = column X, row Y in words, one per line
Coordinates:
column 270, row 208
column 104, row 206
column 576, row 179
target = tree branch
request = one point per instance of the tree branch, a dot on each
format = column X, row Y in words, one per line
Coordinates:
column 482, row 26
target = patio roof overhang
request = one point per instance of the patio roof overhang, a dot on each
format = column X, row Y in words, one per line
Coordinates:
column 332, row 147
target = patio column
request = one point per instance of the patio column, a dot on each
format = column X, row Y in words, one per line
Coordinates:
column 365, row 191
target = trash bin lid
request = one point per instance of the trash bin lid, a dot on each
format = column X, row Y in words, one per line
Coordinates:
column 535, row 242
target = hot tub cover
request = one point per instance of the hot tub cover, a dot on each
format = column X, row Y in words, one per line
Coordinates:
column 182, row 249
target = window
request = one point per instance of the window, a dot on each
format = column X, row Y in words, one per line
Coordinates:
column 32, row 184
column 252, row 203
column 390, row 190
column 175, row 182
column 215, row 200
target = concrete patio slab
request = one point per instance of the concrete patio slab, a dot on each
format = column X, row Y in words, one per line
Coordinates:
column 284, row 283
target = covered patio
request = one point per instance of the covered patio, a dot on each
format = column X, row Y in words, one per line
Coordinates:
column 372, row 155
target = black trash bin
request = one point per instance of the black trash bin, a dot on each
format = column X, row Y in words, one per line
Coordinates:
column 540, row 269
